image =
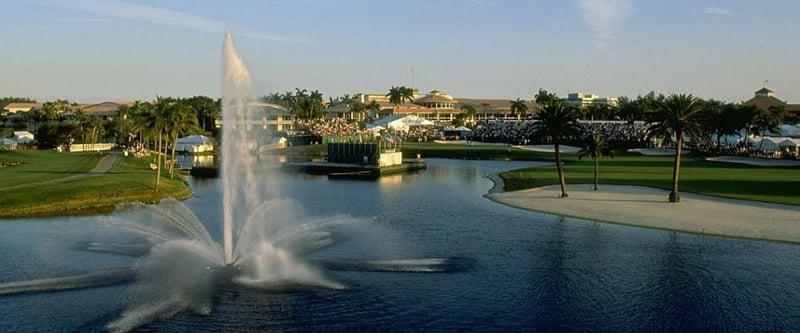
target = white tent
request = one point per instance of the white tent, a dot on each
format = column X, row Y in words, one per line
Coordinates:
column 401, row 122
column 789, row 142
column 463, row 129
column 375, row 130
column 23, row 137
column 6, row 143
column 195, row 144
column 766, row 143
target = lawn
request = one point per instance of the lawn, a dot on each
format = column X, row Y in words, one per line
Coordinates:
column 129, row 180
column 43, row 165
column 777, row 185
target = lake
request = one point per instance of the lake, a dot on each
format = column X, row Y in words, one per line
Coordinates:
column 510, row 269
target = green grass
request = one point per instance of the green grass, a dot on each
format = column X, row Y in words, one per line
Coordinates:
column 43, row 165
column 777, row 185
column 129, row 180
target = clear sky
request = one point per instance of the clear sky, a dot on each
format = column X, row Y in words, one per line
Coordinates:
column 93, row 50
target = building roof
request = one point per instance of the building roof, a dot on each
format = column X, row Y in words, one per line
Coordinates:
column 435, row 98
column 764, row 103
column 764, row 90
column 104, row 107
column 21, row 106
column 493, row 104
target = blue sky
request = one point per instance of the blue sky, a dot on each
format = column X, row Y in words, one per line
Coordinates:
column 92, row 50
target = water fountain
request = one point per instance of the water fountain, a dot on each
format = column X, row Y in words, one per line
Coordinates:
column 266, row 239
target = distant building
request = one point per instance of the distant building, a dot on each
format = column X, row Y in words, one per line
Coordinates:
column 104, row 110
column 765, row 99
column 582, row 100
column 438, row 107
column 12, row 108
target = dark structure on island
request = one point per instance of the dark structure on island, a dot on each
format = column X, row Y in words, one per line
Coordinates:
column 353, row 160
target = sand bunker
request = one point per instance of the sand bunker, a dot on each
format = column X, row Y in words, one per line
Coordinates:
column 649, row 207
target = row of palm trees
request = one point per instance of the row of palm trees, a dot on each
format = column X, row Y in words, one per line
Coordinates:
column 674, row 118
column 163, row 121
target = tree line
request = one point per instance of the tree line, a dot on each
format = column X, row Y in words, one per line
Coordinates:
column 673, row 119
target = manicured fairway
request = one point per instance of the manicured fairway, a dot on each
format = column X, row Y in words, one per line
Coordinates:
column 767, row 184
column 129, row 180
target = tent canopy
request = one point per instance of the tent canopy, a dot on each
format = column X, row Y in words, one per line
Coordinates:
column 194, row 139
column 401, row 122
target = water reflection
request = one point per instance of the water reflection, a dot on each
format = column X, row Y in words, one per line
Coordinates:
column 194, row 161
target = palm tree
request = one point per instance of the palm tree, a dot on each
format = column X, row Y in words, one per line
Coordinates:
column 179, row 120
column 676, row 117
column 399, row 96
column 763, row 122
column 374, row 108
column 485, row 109
column 206, row 111
column 151, row 119
column 470, row 111
column 357, row 111
column 556, row 120
column 519, row 107
column 596, row 147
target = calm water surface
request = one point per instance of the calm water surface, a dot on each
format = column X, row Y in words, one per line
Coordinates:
column 513, row 270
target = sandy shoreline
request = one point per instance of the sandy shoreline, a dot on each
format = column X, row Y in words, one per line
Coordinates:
column 648, row 207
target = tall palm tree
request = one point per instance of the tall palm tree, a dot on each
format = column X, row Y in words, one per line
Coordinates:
column 179, row 119
column 485, row 109
column 763, row 122
column 374, row 108
column 677, row 117
column 399, row 96
column 357, row 111
column 147, row 122
column 206, row 111
column 470, row 111
column 519, row 107
column 596, row 147
column 158, row 120
column 556, row 120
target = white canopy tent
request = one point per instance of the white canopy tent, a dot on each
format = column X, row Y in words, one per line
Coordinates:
column 23, row 137
column 787, row 130
column 6, row 143
column 401, row 122
column 195, row 144
column 765, row 143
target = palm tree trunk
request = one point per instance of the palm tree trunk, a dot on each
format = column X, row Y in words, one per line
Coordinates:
column 596, row 167
column 560, row 170
column 674, row 196
column 158, row 164
column 172, row 165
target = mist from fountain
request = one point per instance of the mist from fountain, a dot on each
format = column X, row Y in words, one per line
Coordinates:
column 264, row 236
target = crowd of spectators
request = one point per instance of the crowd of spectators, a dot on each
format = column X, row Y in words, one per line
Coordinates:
column 424, row 133
column 334, row 127
column 521, row 132
column 618, row 133
column 512, row 132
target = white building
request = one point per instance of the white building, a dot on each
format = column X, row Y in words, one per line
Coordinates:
column 582, row 100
